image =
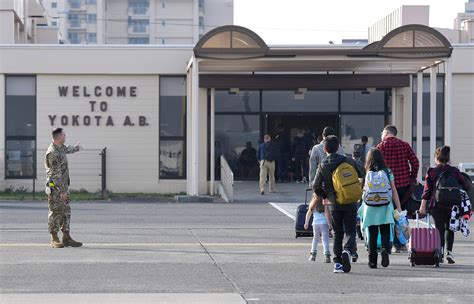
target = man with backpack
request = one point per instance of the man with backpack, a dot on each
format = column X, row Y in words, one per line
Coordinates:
column 318, row 155
column 337, row 183
column 268, row 153
column 401, row 159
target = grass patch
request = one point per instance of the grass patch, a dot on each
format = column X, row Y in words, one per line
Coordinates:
column 85, row 196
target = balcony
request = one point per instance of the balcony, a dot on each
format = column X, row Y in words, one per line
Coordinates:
column 77, row 5
column 139, row 29
column 138, row 11
column 77, row 24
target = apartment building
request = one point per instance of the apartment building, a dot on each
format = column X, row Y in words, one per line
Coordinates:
column 463, row 31
column 142, row 21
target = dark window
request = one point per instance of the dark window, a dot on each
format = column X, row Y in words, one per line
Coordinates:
column 172, row 127
column 291, row 101
column 243, row 101
column 232, row 134
column 75, row 3
column 138, row 40
column 92, row 18
column 353, row 127
column 362, row 101
column 20, row 126
column 54, row 4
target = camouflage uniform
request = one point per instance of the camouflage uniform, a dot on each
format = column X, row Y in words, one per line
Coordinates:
column 59, row 215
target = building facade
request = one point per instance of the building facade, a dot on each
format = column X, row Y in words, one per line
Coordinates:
column 23, row 21
column 168, row 116
column 142, row 21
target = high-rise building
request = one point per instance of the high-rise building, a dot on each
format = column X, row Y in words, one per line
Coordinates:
column 463, row 31
column 468, row 15
column 406, row 14
column 142, row 21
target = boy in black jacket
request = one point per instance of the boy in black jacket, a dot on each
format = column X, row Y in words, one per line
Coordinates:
column 344, row 216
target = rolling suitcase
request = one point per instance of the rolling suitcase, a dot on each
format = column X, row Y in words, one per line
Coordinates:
column 425, row 245
column 300, row 218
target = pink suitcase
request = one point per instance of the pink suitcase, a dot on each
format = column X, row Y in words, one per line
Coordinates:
column 425, row 245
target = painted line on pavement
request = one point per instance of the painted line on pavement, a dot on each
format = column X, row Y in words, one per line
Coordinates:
column 274, row 205
column 32, row 245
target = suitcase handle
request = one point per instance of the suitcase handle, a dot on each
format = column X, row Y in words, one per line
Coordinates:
column 417, row 214
column 306, row 195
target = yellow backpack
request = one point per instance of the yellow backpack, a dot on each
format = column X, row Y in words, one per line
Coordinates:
column 346, row 184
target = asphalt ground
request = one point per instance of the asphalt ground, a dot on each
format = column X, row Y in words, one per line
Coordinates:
column 145, row 252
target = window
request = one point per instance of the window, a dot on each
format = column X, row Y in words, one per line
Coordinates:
column 139, row 7
column 20, row 121
column 138, row 40
column 138, row 26
column 91, row 2
column 91, row 37
column 243, row 101
column 163, row 23
column 74, row 20
column 163, row 41
column 232, row 134
column 54, row 4
column 312, row 101
column 54, row 23
column 353, row 127
column 172, row 127
column 75, row 3
column 92, row 18
column 362, row 101
column 74, row 38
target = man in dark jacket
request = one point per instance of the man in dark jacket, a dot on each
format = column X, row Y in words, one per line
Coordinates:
column 344, row 216
column 300, row 149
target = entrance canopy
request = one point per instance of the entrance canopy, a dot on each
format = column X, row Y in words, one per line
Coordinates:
column 233, row 58
column 407, row 49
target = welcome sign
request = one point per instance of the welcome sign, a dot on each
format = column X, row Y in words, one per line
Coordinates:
column 98, row 106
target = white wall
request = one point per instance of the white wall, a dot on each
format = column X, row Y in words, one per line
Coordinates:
column 132, row 151
column 7, row 28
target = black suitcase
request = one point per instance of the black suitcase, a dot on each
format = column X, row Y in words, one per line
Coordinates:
column 300, row 218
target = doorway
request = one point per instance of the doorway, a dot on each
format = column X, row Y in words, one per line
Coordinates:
column 315, row 123
column 293, row 164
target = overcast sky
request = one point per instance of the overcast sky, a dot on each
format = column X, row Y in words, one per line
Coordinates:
column 319, row 21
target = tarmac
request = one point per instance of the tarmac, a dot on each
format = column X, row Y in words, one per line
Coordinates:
column 242, row 252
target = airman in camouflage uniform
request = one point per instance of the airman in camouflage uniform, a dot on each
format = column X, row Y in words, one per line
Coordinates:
column 57, row 174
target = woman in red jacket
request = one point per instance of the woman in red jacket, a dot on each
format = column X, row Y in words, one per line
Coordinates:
column 441, row 213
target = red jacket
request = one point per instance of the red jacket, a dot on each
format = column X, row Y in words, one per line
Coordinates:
column 401, row 159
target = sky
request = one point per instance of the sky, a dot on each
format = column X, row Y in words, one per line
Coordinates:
column 321, row 21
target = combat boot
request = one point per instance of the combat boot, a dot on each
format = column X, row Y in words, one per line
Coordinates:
column 68, row 241
column 55, row 242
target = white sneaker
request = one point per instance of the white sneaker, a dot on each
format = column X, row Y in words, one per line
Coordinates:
column 312, row 256
column 450, row 258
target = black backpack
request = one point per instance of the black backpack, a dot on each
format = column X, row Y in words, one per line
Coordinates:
column 448, row 191
column 272, row 151
column 300, row 147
